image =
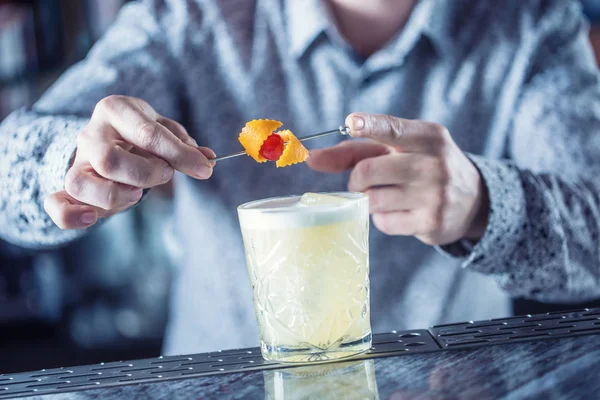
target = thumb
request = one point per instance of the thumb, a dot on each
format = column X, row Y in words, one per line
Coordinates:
column 404, row 135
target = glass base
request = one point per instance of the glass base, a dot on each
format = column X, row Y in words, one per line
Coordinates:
column 305, row 354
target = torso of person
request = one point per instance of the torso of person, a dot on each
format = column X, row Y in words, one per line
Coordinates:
column 287, row 63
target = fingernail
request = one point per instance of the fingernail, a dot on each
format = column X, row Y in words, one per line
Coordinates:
column 135, row 195
column 357, row 123
column 87, row 218
column 203, row 171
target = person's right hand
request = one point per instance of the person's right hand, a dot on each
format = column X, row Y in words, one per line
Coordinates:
column 126, row 147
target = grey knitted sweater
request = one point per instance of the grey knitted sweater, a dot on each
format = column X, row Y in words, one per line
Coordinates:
column 515, row 84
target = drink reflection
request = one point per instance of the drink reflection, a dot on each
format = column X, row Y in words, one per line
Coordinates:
column 350, row 380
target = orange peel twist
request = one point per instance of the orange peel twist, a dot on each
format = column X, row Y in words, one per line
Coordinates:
column 255, row 133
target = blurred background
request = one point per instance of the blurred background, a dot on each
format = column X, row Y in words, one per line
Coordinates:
column 81, row 304
column 84, row 304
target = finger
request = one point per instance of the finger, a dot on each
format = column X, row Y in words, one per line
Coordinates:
column 113, row 162
column 182, row 134
column 420, row 223
column 67, row 213
column 391, row 169
column 208, row 153
column 403, row 134
column 144, row 132
column 84, row 185
column 344, row 155
column 178, row 130
column 404, row 223
column 395, row 198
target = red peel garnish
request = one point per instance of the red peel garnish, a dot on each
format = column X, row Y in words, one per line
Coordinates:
column 272, row 148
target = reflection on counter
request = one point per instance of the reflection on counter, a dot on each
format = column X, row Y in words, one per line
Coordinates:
column 545, row 369
column 351, row 380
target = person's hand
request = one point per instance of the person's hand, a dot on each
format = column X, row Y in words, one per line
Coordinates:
column 418, row 181
column 126, row 147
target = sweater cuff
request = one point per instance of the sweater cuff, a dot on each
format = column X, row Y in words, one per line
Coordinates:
column 506, row 216
column 59, row 153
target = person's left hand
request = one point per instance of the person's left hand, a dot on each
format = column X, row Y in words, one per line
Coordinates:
column 418, row 181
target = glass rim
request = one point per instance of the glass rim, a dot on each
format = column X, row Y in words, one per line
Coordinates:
column 352, row 196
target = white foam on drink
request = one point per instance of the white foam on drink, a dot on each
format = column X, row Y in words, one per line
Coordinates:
column 319, row 199
column 300, row 211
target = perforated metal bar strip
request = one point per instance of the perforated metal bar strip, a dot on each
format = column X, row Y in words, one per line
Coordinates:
column 180, row 367
column 443, row 337
column 516, row 329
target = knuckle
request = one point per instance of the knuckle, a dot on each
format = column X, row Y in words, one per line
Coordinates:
column 432, row 221
column 374, row 200
column 82, row 138
column 435, row 200
column 440, row 132
column 429, row 240
column 85, row 137
column 108, row 162
column 443, row 198
column 143, row 107
column 436, row 168
column 161, row 174
column 443, row 171
column 142, row 175
column 364, row 171
column 440, row 138
column 111, row 197
column 75, row 183
column 109, row 104
column 148, row 135
column 383, row 224
column 84, row 133
column 183, row 161
column 395, row 126
column 379, row 200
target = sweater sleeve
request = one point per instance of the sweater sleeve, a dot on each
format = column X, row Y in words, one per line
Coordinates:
column 37, row 144
column 542, row 238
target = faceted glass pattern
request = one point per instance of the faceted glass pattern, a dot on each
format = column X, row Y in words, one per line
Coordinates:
column 311, row 282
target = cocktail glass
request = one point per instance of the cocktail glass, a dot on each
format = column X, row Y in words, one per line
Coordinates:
column 308, row 262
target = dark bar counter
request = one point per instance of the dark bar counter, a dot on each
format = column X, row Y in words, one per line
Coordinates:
column 554, row 355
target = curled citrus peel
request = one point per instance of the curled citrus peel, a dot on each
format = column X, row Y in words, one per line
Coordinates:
column 254, row 135
column 294, row 151
column 262, row 143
